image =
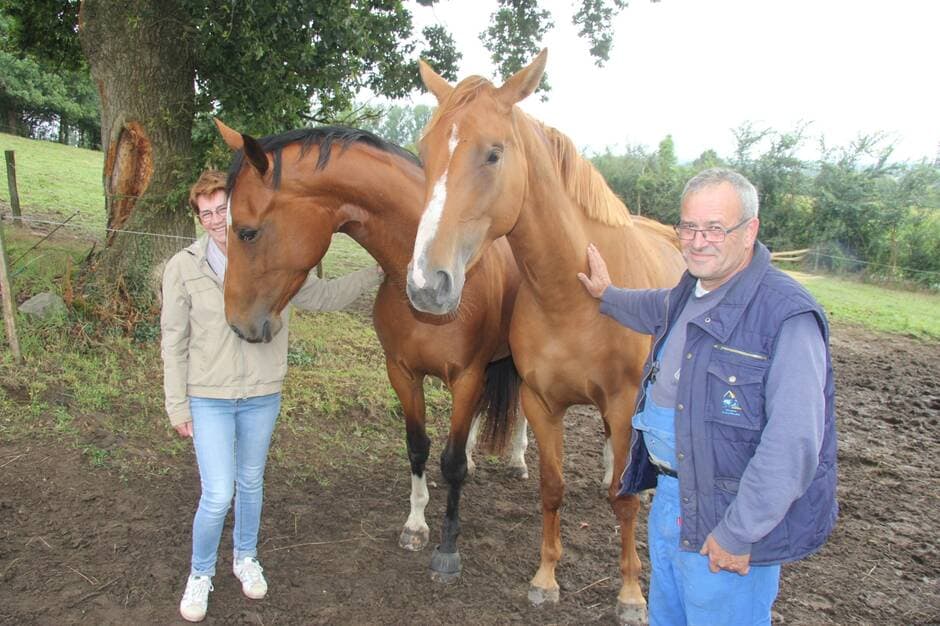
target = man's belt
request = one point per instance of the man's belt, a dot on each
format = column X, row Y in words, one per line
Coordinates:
column 662, row 469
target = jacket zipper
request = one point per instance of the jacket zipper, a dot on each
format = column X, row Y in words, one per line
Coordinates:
column 751, row 355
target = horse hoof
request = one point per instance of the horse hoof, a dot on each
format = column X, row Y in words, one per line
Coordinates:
column 539, row 596
column 632, row 614
column 520, row 472
column 414, row 540
column 445, row 567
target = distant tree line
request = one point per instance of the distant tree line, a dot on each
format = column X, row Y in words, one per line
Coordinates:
column 42, row 101
column 857, row 209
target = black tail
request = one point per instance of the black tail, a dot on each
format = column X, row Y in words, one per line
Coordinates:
column 499, row 404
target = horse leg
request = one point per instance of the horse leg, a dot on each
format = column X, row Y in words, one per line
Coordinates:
column 410, row 391
column 445, row 562
column 631, row 605
column 548, row 429
column 520, row 442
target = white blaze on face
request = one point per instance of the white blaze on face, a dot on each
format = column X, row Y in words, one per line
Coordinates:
column 427, row 228
column 228, row 212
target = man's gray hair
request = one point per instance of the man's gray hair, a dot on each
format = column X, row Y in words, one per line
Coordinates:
column 718, row 175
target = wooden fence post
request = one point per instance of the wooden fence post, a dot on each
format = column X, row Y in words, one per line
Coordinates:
column 11, row 183
column 9, row 309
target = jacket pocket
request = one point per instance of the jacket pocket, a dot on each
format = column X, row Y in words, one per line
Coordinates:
column 725, row 491
column 735, row 392
column 207, row 327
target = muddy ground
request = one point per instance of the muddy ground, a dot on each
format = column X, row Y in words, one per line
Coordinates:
column 83, row 545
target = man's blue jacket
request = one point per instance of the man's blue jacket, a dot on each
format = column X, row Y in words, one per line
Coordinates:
column 730, row 348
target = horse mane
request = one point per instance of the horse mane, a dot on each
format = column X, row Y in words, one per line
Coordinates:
column 658, row 229
column 583, row 183
column 325, row 137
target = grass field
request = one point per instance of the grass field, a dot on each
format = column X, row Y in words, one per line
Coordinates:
column 99, row 390
column 54, row 181
column 916, row 314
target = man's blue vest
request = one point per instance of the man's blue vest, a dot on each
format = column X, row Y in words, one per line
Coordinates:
column 732, row 345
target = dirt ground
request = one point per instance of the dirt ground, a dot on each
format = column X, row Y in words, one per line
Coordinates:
column 87, row 546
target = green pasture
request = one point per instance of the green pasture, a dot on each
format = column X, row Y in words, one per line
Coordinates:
column 100, row 391
column 912, row 313
column 54, row 181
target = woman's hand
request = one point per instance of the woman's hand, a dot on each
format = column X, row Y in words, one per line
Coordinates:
column 185, row 429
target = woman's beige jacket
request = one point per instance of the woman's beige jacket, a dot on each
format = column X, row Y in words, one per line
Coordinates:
column 202, row 356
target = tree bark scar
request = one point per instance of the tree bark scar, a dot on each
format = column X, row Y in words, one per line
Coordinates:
column 128, row 171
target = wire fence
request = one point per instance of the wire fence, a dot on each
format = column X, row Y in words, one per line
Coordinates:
column 93, row 233
column 812, row 253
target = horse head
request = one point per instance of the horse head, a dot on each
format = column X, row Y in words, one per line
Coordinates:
column 476, row 171
column 275, row 236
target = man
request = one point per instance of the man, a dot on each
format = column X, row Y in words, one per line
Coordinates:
column 734, row 424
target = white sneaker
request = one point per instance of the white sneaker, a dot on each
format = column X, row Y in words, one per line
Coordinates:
column 248, row 570
column 196, row 598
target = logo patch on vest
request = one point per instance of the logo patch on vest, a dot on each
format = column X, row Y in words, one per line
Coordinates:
column 729, row 404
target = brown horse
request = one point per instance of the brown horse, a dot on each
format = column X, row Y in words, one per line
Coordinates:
column 492, row 171
column 288, row 194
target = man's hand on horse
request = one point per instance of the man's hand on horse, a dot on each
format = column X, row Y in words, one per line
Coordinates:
column 599, row 280
column 721, row 559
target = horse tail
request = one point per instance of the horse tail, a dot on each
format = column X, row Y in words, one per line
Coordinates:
column 499, row 404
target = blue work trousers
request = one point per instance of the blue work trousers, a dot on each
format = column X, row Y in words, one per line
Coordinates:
column 683, row 591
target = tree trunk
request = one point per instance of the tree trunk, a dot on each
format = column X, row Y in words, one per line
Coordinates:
column 142, row 59
column 63, row 130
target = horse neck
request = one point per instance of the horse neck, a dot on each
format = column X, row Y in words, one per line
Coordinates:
column 376, row 198
column 551, row 235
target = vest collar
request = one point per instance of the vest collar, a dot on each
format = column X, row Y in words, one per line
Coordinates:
column 724, row 317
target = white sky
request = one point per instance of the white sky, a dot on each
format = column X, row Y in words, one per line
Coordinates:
column 696, row 69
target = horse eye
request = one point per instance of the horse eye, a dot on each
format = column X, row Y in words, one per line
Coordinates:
column 247, row 234
column 492, row 158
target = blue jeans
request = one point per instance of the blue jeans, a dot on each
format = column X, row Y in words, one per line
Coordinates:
column 231, row 438
column 682, row 588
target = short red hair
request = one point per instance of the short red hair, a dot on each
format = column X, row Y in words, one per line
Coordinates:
column 209, row 182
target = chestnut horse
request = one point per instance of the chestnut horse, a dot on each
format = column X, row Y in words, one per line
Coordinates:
column 288, row 194
column 491, row 171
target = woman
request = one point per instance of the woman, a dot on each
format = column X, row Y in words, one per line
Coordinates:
column 225, row 393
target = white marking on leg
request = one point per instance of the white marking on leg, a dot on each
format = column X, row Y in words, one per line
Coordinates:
column 431, row 218
column 608, row 462
column 472, row 438
column 419, row 501
column 520, row 442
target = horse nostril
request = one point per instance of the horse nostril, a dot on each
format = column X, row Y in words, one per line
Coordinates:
column 266, row 330
column 237, row 332
column 444, row 282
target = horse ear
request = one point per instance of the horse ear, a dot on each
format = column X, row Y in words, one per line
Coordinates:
column 255, row 154
column 232, row 138
column 521, row 84
column 434, row 81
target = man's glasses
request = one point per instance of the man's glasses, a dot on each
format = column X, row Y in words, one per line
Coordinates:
column 205, row 216
column 712, row 234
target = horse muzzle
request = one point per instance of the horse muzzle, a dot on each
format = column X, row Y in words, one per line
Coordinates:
column 436, row 292
column 258, row 333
